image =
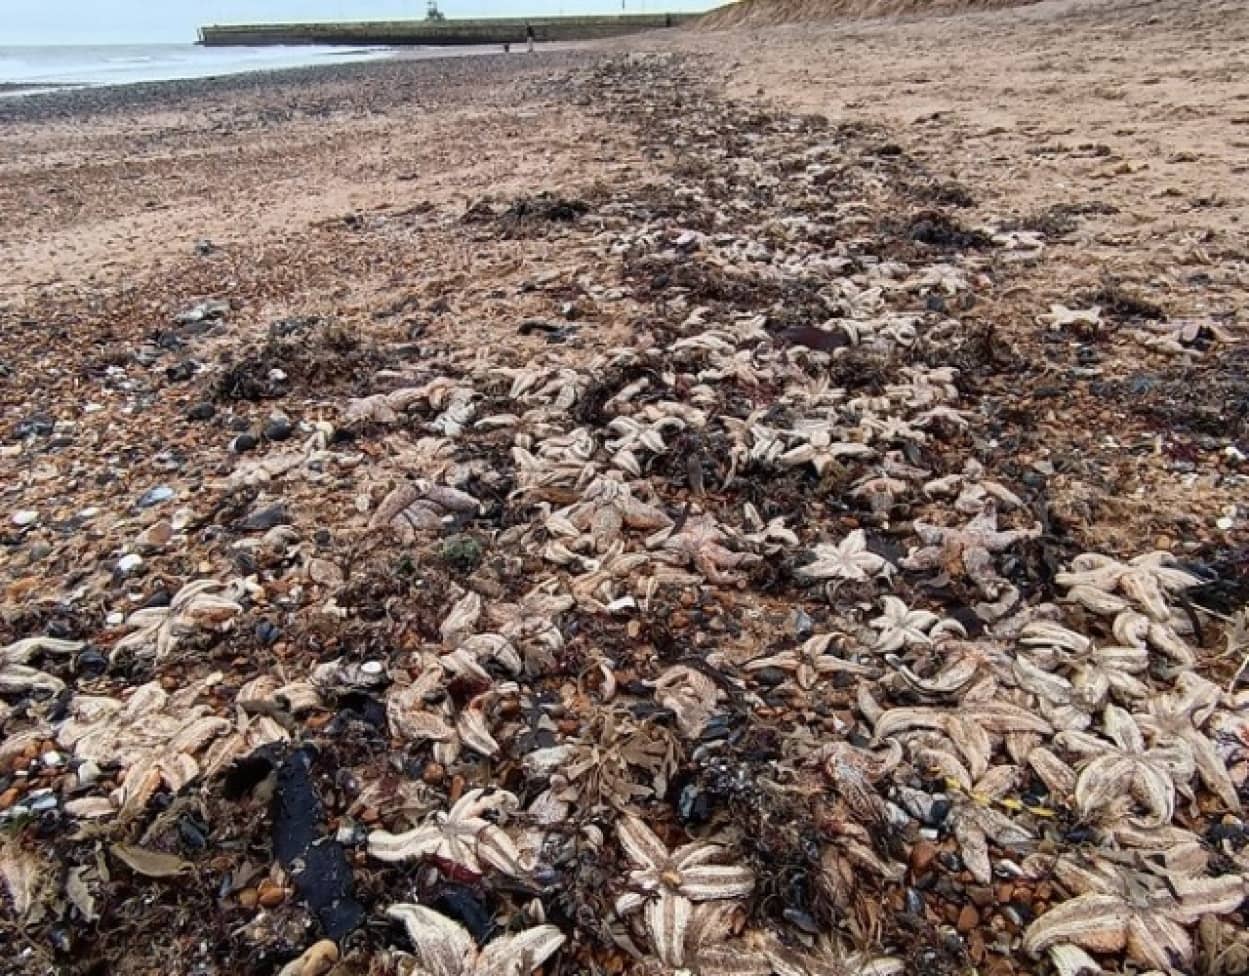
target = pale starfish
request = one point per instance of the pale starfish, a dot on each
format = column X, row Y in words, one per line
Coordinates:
column 200, row 604
column 1124, row 765
column 967, row 551
column 960, row 663
column 701, row 541
column 820, row 450
column 445, row 948
column 687, row 874
column 1146, row 916
column 1179, row 716
column 462, row 836
column 607, row 507
column 849, row 559
column 968, row 728
column 1095, row 672
column 810, row 662
column 900, row 626
column 1145, row 580
column 975, row 822
column 17, row 676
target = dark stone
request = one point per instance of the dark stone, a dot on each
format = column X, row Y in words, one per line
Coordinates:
column 180, row 372
column 267, row 632
column 265, row 519
column 770, row 677
column 90, row 662
column 201, row 411
column 278, row 429
column 244, row 443
column 36, row 425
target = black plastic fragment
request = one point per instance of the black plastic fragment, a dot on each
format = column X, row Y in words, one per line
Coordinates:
column 316, row 862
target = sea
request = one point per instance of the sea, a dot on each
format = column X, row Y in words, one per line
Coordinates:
column 33, row 68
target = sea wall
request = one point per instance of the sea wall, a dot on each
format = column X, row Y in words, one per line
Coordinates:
column 437, row 32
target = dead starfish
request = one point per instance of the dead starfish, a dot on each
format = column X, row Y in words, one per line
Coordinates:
column 700, row 541
column 967, row 551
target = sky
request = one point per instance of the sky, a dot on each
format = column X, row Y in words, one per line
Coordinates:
column 140, row 21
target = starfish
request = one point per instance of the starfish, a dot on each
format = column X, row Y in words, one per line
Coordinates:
column 1094, row 671
column 1145, row 915
column 974, row 822
column 961, row 663
column 853, row 772
column 663, row 880
column 607, row 507
column 968, row 728
column 1145, row 580
column 690, row 695
column 445, row 948
column 419, row 507
column 900, row 626
column 154, row 735
column 849, row 559
column 967, row 551
column 16, row 675
column 1124, row 766
column 811, row 662
column 1179, row 716
column 700, row 541
column 462, row 836
column 633, row 435
column 199, row 604
column 1061, row 317
column 466, row 660
column 820, row 450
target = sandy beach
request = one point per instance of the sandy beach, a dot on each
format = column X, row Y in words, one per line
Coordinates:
column 751, row 500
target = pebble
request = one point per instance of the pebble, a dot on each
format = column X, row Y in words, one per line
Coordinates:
column 434, row 773
column 88, row 772
column 154, row 496
column 244, row 443
column 968, row 919
column 9, row 797
column 923, row 854
column 270, row 895
column 91, row 661
column 278, row 427
column 129, row 563
column 265, row 519
column 52, row 759
column 155, row 536
column 202, row 411
column 43, row 804
column 248, row 897
column 27, row 516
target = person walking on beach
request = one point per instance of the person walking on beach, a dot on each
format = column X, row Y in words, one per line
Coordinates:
column 529, row 36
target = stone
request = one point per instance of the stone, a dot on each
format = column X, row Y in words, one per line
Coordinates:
column 154, row 496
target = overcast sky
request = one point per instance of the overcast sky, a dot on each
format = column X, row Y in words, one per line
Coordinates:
column 134, row 21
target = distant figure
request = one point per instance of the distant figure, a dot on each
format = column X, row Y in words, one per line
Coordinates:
column 507, row 47
column 667, row 20
column 529, row 36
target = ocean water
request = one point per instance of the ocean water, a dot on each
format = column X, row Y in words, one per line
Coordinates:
column 49, row 66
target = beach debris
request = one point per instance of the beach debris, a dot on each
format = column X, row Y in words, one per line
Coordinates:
column 317, row 866
column 765, row 623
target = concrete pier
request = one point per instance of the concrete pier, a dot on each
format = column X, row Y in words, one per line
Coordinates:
column 437, row 33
